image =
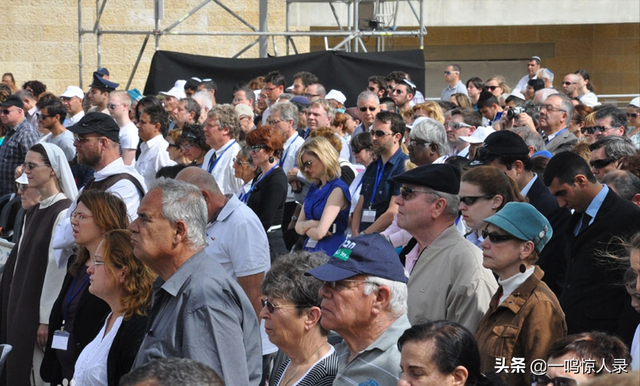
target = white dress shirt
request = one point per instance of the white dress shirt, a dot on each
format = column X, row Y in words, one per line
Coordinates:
column 222, row 168
column 153, row 157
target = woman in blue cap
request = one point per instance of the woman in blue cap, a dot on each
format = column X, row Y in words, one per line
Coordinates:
column 524, row 318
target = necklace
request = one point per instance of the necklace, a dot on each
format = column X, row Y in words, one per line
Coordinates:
column 303, row 365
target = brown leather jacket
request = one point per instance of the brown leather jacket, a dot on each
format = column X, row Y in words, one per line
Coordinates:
column 525, row 325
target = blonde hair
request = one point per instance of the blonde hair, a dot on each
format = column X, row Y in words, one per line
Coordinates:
column 432, row 109
column 322, row 149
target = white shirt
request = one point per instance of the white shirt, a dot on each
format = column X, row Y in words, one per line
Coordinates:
column 222, row 167
column 91, row 366
column 522, row 84
column 63, row 241
column 153, row 157
column 589, row 99
column 129, row 138
column 290, row 159
column 70, row 121
column 509, row 285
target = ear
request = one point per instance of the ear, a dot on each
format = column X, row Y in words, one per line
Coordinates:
column 636, row 199
column 157, row 125
column 518, row 166
column 580, row 180
column 526, row 249
column 313, row 317
column 383, row 296
column 460, row 375
column 180, row 232
column 531, row 150
column 120, row 276
column 439, row 207
column 497, row 201
column 472, row 129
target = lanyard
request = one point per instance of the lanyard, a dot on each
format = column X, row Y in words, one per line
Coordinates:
column 213, row 164
column 245, row 197
column 379, row 174
column 306, row 133
column 556, row 134
column 287, row 151
column 71, row 296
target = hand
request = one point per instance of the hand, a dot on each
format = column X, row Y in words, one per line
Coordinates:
column 18, row 172
column 505, row 123
column 42, row 335
column 291, row 174
column 525, row 119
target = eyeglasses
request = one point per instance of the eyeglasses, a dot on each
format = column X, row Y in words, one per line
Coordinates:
column 496, row 237
column 544, row 380
column 174, row 145
column 7, row 111
column 601, row 163
column 309, row 96
column 491, row 88
column 363, row 109
column 111, row 106
column 450, row 72
column 273, row 307
column 397, row 91
column 273, row 121
column 457, row 125
column 372, row 89
column 238, row 162
column 186, row 146
column 592, row 129
column 470, row 200
column 79, row 139
column 30, row 166
column 551, row 108
column 340, row 284
column 568, row 83
column 633, row 115
column 414, row 143
column 79, row 216
column 21, row 187
column 268, row 89
column 407, row 193
column 307, row 164
column 380, row 133
column 42, row 117
column 256, row 148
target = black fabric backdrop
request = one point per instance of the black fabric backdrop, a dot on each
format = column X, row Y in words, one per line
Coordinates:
column 347, row 72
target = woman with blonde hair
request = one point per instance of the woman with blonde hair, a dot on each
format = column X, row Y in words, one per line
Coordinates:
column 497, row 85
column 429, row 109
column 126, row 285
column 325, row 213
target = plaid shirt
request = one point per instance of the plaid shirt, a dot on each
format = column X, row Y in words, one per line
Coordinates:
column 17, row 142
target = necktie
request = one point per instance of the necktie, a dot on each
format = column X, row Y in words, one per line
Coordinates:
column 585, row 222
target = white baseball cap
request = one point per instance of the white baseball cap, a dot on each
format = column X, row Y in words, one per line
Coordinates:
column 478, row 136
column 177, row 90
column 73, row 91
column 336, row 95
column 635, row 102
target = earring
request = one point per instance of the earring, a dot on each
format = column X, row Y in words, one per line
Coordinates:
column 271, row 159
column 523, row 268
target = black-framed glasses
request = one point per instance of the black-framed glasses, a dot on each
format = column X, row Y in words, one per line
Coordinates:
column 397, row 91
column 256, row 148
column 601, row 163
column 307, row 164
column 363, row 109
column 372, row 89
column 380, row 133
column 544, row 380
column 592, row 129
column 174, row 145
column 470, row 200
column 408, row 192
column 30, row 166
column 496, row 237
column 273, row 307
column 309, row 96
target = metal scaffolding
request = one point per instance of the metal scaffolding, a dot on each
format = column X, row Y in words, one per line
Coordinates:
column 382, row 27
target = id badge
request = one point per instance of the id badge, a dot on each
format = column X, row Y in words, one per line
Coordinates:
column 60, row 340
column 369, row 215
column 311, row 243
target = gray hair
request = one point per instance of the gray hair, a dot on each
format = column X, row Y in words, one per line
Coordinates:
column 453, row 204
column 432, row 132
column 398, row 301
column 625, row 183
column 170, row 372
column 545, row 73
column 286, row 279
column 366, row 95
column 205, row 97
column 331, row 112
column 226, row 117
column 285, row 95
column 183, row 201
column 615, row 147
column 288, row 112
column 24, row 94
column 320, row 89
column 567, row 105
column 530, row 137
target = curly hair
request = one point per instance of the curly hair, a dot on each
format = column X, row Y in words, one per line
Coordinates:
column 193, row 132
column 109, row 212
column 321, row 148
column 137, row 288
column 226, row 118
column 269, row 136
column 329, row 135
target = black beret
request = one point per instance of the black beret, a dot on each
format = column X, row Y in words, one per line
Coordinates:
column 441, row 177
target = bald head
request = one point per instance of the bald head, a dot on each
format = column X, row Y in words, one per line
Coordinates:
column 200, row 178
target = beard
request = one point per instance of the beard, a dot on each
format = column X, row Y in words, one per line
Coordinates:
column 90, row 159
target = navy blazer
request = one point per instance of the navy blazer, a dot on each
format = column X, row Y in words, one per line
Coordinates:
column 594, row 297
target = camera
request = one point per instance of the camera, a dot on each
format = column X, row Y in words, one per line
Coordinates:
column 514, row 112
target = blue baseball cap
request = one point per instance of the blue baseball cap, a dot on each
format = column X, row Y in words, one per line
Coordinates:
column 524, row 222
column 100, row 83
column 369, row 254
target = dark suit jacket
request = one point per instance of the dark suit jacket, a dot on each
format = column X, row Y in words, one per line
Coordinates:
column 561, row 142
column 593, row 297
column 125, row 347
column 551, row 259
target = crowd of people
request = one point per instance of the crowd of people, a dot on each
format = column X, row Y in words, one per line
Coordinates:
column 290, row 237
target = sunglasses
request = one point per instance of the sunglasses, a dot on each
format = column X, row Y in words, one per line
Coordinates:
column 363, row 109
column 372, row 89
column 6, row 111
column 256, row 148
column 42, row 117
column 600, row 163
column 111, row 106
column 544, row 380
column 593, row 129
column 470, row 200
column 633, row 115
column 491, row 88
column 407, row 192
column 496, row 237
column 272, row 307
column 568, row 83
column 380, row 133
column 450, row 72
column 307, row 164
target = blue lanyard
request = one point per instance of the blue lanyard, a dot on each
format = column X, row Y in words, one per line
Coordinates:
column 359, row 183
column 379, row 174
column 287, row 151
column 557, row 134
column 212, row 165
column 306, row 133
column 72, row 295
column 245, row 198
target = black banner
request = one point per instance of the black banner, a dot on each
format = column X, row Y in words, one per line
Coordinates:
column 347, row 72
